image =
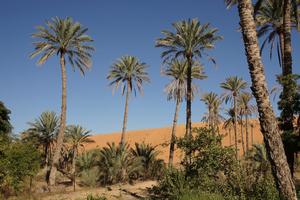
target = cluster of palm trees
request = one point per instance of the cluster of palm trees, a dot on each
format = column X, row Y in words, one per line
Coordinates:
column 43, row 132
column 185, row 46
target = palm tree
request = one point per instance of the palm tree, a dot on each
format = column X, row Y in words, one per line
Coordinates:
column 67, row 39
column 229, row 122
column 76, row 137
column 189, row 41
column 268, row 122
column 153, row 166
column 44, row 130
column 246, row 109
column 233, row 86
column 177, row 90
column 269, row 19
column 131, row 74
column 213, row 103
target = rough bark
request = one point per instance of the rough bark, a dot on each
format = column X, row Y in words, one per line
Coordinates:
column 247, row 133
column 287, row 121
column 189, row 98
column 74, row 169
column 281, row 42
column 125, row 117
column 60, row 136
column 173, row 135
column 242, row 136
column 268, row 122
column 235, row 126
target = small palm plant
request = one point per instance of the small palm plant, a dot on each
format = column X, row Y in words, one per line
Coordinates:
column 233, row 86
column 131, row 74
column 44, row 130
column 116, row 164
column 177, row 90
column 66, row 39
column 190, row 40
column 229, row 122
column 153, row 166
column 76, row 137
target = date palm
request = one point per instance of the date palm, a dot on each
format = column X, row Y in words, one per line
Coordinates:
column 268, row 122
column 229, row 122
column 190, row 41
column 246, row 109
column 233, row 86
column 177, row 90
column 213, row 103
column 68, row 40
column 76, row 137
column 130, row 73
column 44, row 129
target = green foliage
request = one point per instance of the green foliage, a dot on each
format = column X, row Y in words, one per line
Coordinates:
column 209, row 167
column 5, row 126
column 201, row 196
column 97, row 197
column 89, row 177
column 63, row 37
column 152, row 166
column 86, row 168
column 117, row 165
column 20, row 160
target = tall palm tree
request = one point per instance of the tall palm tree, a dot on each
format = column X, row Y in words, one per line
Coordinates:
column 233, row 86
column 131, row 74
column 213, row 103
column 67, row 39
column 268, row 122
column 177, row 90
column 246, row 109
column 76, row 137
column 190, row 41
column 229, row 122
column 44, row 129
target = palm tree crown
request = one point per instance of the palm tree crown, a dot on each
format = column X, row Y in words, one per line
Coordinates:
column 130, row 73
column 177, row 71
column 234, row 85
column 77, row 136
column 190, row 39
column 63, row 37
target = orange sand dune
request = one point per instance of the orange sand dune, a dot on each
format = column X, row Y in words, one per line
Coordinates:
column 160, row 136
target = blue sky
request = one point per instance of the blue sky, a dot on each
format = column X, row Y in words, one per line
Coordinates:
column 127, row 27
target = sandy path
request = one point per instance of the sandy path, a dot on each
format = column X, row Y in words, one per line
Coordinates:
column 111, row 193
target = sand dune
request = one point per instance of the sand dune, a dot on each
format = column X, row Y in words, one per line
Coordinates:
column 160, row 137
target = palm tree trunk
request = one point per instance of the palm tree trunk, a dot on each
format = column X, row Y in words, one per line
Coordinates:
column 189, row 98
column 172, row 143
column 74, row 168
column 62, row 127
column 252, row 135
column 47, row 162
column 235, row 126
column 125, row 117
column 247, row 133
column 229, row 136
column 242, row 135
column 268, row 122
column 281, row 40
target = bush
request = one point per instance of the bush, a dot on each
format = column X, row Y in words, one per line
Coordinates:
column 91, row 197
column 89, row 177
column 19, row 161
column 116, row 165
column 152, row 166
column 201, row 196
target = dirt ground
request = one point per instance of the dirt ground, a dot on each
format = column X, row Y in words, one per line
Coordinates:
column 116, row 192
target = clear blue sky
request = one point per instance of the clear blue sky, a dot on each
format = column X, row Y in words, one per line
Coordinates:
column 118, row 28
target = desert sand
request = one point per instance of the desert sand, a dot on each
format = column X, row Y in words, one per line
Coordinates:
column 160, row 137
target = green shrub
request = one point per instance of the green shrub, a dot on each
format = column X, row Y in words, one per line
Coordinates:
column 152, row 166
column 19, row 161
column 89, row 177
column 116, row 165
column 97, row 197
column 200, row 196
